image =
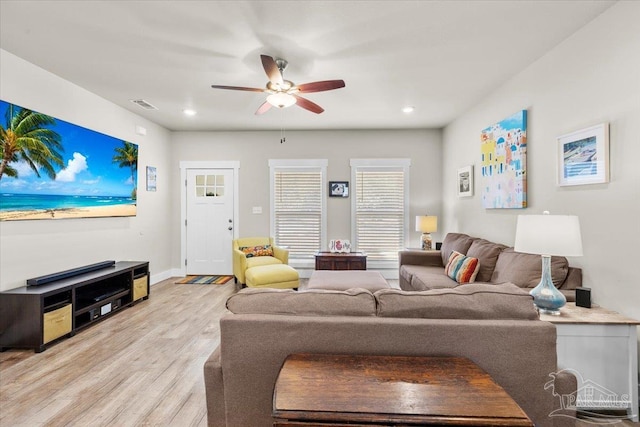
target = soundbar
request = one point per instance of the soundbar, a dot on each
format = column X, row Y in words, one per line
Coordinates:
column 37, row 281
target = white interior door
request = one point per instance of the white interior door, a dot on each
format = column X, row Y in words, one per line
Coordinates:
column 209, row 226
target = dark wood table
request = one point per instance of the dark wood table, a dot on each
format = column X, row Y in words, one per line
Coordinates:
column 341, row 261
column 337, row 390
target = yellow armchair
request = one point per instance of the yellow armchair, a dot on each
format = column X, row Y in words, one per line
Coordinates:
column 241, row 263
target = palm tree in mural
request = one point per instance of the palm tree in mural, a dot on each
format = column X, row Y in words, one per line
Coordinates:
column 25, row 138
column 127, row 156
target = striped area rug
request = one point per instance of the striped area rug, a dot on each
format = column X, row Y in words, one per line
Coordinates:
column 204, row 280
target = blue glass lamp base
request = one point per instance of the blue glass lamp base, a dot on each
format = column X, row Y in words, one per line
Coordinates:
column 546, row 297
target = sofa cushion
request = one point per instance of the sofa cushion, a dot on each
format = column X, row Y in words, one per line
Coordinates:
column 454, row 242
column 461, row 268
column 253, row 251
column 525, row 269
column 487, row 253
column 430, row 277
column 473, row 301
column 352, row 302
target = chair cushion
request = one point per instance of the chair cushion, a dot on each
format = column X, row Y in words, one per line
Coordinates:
column 315, row 302
column 262, row 260
column 473, row 301
column 462, row 268
column 254, row 251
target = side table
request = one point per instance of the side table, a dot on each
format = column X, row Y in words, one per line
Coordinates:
column 341, row 261
column 601, row 346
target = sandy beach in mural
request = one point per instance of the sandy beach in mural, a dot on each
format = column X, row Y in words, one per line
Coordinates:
column 81, row 212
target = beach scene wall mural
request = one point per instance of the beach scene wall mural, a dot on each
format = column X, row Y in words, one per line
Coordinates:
column 52, row 169
column 504, row 163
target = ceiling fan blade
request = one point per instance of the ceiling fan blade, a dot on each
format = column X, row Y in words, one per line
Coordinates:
column 321, row 86
column 272, row 70
column 308, row 105
column 263, row 108
column 249, row 89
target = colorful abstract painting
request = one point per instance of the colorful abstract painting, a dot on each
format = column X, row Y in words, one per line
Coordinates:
column 504, row 163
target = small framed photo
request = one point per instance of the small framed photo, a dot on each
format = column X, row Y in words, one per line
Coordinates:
column 465, row 181
column 583, row 156
column 151, row 178
column 338, row 188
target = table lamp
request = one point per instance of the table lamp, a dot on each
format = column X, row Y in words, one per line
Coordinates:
column 426, row 224
column 548, row 235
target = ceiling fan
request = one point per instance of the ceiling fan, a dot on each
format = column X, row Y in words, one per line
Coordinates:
column 284, row 93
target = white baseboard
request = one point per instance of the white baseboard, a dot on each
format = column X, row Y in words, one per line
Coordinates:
column 157, row 278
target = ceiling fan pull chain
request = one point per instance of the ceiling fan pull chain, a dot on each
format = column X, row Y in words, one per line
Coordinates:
column 283, row 136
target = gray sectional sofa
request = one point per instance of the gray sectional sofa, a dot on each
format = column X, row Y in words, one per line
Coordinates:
column 424, row 270
column 495, row 326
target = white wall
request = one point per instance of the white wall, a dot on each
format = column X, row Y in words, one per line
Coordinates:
column 592, row 77
column 254, row 149
column 33, row 248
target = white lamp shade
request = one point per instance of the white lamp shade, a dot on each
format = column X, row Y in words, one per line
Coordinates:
column 426, row 223
column 549, row 235
column 281, row 100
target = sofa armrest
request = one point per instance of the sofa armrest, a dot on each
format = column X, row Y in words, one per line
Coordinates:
column 282, row 254
column 428, row 258
column 214, row 390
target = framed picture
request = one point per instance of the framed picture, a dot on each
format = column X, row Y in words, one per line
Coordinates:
column 151, row 178
column 583, row 156
column 339, row 246
column 338, row 188
column 465, row 181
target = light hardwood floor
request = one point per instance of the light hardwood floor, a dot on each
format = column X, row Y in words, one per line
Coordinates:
column 141, row 367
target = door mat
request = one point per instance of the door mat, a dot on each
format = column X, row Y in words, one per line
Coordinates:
column 204, row 280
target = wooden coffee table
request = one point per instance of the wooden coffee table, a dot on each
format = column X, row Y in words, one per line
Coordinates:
column 379, row 390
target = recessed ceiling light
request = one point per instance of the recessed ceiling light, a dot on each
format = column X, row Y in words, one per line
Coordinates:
column 408, row 109
column 189, row 112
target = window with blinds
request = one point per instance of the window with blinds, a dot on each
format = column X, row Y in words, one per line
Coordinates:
column 380, row 211
column 298, row 209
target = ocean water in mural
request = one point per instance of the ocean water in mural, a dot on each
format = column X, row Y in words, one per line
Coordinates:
column 52, row 169
column 504, row 163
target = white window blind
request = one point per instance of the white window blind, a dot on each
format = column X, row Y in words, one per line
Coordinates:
column 298, row 209
column 380, row 217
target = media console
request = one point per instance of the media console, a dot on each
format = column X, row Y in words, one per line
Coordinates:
column 60, row 304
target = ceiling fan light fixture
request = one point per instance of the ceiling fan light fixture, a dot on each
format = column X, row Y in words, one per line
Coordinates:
column 281, row 100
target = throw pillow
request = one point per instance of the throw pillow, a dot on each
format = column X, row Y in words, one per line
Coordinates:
column 251, row 251
column 461, row 268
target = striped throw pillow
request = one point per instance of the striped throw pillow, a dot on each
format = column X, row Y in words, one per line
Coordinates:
column 461, row 268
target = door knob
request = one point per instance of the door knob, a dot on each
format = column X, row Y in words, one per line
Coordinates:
column 230, row 228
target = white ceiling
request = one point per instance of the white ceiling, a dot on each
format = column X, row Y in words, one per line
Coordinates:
column 440, row 56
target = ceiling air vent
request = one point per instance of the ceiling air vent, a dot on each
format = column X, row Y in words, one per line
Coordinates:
column 144, row 104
